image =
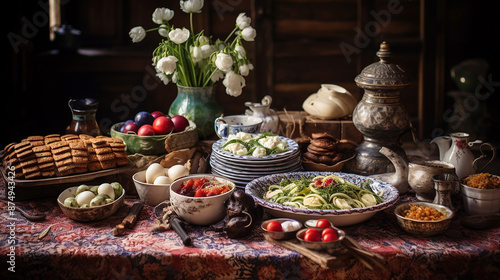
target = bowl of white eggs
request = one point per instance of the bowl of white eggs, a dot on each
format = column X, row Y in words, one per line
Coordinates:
column 153, row 184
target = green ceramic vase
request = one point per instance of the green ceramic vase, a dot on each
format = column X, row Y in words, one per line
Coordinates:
column 200, row 105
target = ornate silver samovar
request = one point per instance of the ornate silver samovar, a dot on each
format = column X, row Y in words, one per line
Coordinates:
column 379, row 115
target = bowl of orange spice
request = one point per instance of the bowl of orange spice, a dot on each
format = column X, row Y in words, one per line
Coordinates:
column 481, row 194
column 423, row 218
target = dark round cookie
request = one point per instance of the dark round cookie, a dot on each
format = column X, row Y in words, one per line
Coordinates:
column 311, row 149
column 324, row 143
column 311, row 156
column 323, row 135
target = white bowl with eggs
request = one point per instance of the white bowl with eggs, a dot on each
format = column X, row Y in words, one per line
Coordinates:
column 153, row 184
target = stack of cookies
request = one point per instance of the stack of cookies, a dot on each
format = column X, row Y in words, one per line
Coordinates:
column 118, row 149
column 61, row 152
column 45, row 160
column 25, row 162
column 93, row 163
column 79, row 155
column 326, row 149
column 56, row 155
column 104, row 152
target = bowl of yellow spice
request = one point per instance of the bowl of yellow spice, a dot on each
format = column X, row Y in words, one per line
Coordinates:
column 423, row 218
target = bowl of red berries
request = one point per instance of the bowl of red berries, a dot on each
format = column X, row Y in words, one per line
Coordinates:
column 281, row 228
column 326, row 237
column 199, row 198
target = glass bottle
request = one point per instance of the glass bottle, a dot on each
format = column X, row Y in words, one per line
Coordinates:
column 83, row 117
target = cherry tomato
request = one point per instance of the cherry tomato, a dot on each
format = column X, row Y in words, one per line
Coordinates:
column 312, row 235
column 329, row 234
column 328, row 230
column 323, row 223
column 274, row 226
column 330, row 237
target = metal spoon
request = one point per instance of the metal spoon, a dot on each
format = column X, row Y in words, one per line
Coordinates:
column 37, row 217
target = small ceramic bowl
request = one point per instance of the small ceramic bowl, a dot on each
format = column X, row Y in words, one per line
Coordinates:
column 424, row 228
column 420, row 175
column 280, row 235
column 201, row 211
column 150, row 194
column 89, row 214
column 230, row 125
column 321, row 245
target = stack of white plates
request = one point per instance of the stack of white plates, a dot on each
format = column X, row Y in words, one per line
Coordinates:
column 243, row 169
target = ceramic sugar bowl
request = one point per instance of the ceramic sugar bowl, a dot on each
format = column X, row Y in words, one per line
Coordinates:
column 330, row 102
column 270, row 119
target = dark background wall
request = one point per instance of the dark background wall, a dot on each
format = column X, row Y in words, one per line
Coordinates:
column 298, row 47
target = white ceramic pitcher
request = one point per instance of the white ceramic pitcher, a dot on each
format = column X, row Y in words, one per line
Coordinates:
column 454, row 149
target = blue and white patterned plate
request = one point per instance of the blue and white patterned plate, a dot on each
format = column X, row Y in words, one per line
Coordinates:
column 250, row 175
column 258, row 187
column 217, row 148
column 269, row 167
column 254, row 161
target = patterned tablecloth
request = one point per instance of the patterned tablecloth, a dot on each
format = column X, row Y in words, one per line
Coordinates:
column 75, row 250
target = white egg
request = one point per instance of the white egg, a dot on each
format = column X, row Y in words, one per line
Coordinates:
column 177, row 171
column 153, row 171
column 162, row 180
column 84, row 197
column 106, row 188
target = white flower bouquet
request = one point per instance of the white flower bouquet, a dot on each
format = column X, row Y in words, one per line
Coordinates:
column 195, row 60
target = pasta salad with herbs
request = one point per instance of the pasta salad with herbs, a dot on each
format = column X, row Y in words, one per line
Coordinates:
column 322, row 192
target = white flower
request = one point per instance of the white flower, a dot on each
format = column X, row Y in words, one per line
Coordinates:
column 174, row 77
column 204, row 40
column 160, row 15
column 163, row 78
column 167, row 64
column 244, row 70
column 217, row 76
column 137, row 34
column 249, row 33
column 191, row 6
column 243, row 21
column 178, row 35
column 196, row 53
column 154, row 59
column 207, row 50
column 242, row 53
column 163, row 31
column 234, row 83
column 224, row 62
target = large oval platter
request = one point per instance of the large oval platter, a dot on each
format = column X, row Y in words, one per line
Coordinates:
column 345, row 217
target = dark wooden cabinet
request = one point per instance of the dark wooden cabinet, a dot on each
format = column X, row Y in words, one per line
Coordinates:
column 300, row 44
